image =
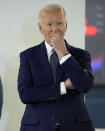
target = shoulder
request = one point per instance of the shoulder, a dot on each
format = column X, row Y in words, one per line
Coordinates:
column 77, row 51
column 32, row 50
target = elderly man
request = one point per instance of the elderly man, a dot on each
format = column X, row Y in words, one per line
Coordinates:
column 53, row 78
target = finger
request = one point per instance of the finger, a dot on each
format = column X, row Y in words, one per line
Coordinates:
column 85, row 70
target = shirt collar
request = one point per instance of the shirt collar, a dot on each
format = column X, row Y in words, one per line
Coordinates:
column 48, row 48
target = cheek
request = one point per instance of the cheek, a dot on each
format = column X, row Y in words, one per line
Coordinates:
column 64, row 31
column 47, row 34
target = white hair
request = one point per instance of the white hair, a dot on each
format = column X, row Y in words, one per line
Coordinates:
column 52, row 6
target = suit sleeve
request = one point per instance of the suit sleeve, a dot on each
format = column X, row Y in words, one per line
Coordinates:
column 29, row 93
column 83, row 81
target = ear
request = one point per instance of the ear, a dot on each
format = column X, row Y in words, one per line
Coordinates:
column 40, row 27
column 66, row 26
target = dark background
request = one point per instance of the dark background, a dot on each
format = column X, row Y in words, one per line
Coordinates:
column 95, row 44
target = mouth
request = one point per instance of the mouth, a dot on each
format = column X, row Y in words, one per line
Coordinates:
column 55, row 35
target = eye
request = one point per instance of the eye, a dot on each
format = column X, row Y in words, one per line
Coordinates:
column 59, row 23
column 49, row 24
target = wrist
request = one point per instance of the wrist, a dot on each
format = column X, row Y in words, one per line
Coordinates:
column 65, row 83
column 63, row 54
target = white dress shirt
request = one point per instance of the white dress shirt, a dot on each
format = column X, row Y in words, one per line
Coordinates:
column 61, row 61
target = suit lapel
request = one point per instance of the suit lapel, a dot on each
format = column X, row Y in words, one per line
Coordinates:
column 44, row 60
column 69, row 47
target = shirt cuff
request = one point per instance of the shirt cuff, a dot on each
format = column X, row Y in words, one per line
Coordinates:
column 64, row 58
column 62, row 88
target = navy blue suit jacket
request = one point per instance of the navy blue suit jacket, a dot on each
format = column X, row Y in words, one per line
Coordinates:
column 44, row 103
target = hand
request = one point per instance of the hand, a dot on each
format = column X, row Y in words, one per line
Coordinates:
column 68, row 84
column 57, row 42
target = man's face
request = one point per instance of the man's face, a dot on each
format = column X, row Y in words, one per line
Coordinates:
column 52, row 24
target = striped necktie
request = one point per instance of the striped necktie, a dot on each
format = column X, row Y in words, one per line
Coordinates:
column 54, row 60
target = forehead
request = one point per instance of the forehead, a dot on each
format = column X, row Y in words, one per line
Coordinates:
column 52, row 14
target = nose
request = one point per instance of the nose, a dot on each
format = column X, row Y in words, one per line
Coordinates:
column 55, row 28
